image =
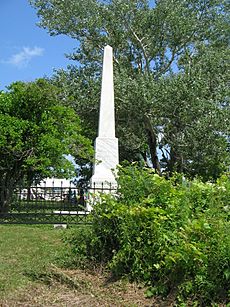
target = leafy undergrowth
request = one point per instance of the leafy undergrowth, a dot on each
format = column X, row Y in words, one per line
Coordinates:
column 173, row 235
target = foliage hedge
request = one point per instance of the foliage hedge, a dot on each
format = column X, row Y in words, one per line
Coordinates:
column 173, row 234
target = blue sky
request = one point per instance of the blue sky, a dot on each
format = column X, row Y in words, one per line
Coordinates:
column 28, row 52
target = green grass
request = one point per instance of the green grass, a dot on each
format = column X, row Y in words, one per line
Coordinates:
column 26, row 251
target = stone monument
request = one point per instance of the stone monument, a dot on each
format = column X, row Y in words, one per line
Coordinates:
column 106, row 144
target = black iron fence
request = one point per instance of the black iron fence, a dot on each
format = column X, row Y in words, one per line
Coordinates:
column 52, row 204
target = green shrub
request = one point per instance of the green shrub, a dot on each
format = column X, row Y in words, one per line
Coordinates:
column 172, row 234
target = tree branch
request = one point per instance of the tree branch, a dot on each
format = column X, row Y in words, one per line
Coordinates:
column 143, row 48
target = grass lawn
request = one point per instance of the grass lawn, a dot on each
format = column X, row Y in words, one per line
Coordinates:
column 24, row 251
column 31, row 274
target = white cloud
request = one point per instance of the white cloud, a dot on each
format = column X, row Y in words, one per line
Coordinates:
column 22, row 58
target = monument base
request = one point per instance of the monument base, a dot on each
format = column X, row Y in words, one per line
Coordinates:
column 106, row 157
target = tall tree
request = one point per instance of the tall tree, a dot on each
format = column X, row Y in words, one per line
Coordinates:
column 36, row 132
column 159, row 47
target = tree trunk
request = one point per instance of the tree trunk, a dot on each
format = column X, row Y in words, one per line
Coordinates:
column 175, row 164
column 6, row 192
column 8, row 182
column 29, row 184
column 152, row 140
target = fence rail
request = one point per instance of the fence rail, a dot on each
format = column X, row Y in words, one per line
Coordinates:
column 51, row 204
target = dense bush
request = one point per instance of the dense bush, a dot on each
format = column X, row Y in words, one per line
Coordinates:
column 172, row 234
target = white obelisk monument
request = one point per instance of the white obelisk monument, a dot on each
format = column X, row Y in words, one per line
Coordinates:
column 106, row 144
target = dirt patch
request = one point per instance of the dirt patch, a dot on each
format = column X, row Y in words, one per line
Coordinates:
column 84, row 290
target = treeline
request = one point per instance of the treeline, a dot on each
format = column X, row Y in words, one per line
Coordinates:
column 171, row 77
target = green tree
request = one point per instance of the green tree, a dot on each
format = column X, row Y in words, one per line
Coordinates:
column 36, row 132
column 170, row 68
column 196, row 114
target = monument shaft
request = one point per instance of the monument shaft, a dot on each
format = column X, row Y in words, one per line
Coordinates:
column 106, row 118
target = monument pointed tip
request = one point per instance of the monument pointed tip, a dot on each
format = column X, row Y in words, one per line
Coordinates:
column 108, row 46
